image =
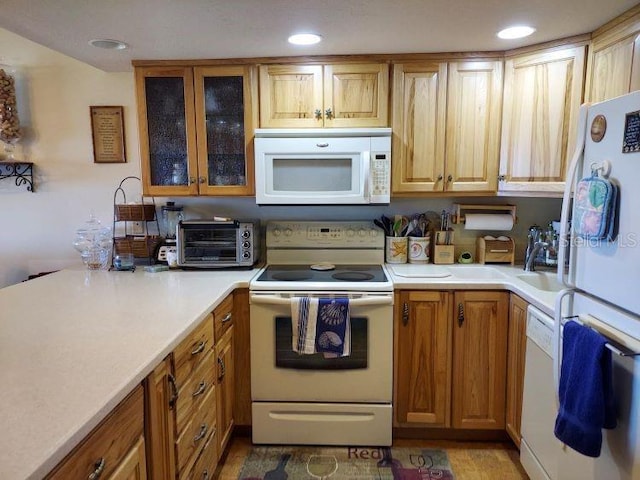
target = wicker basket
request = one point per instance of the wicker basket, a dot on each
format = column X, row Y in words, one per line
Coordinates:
column 134, row 213
column 141, row 247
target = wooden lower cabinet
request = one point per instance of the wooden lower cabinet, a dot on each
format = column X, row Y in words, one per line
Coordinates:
column 479, row 359
column 190, row 400
column 423, row 358
column 115, row 449
column 450, row 359
column 515, row 365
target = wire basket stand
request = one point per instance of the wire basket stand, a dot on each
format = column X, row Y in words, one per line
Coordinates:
column 132, row 220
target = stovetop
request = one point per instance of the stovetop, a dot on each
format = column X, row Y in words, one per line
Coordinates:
column 309, row 273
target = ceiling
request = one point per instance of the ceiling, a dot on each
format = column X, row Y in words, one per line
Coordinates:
column 207, row 29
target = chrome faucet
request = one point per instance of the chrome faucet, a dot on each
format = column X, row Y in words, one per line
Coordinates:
column 529, row 263
column 533, row 239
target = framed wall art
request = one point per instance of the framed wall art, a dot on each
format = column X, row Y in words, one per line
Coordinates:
column 107, row 131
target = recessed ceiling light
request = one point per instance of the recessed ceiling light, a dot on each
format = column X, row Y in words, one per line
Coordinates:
column 108, row 44
column 518, row 31
column 305, row 39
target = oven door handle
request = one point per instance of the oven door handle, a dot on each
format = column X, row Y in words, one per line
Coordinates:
column 355, row 302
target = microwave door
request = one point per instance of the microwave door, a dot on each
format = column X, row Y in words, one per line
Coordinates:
column 314, row 179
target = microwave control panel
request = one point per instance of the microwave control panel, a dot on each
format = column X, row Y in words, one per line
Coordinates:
column 380, row 177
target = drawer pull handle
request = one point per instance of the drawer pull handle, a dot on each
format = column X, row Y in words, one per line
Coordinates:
column 99, row 468
column 201, row 433
column 227, row 318
column 201, row 388
column 199, row 348
column 223, row 368
column 460, row 314
column 174, row 390
column 405, row 314
column 205, row 475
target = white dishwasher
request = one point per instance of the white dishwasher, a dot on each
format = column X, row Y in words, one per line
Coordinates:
column 539, row 447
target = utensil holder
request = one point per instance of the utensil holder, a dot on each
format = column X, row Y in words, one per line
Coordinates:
column 419, row 249
column 396, row 249
column 443, row 248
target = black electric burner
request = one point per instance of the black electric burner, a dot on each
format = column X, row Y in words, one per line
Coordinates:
column 341, row 273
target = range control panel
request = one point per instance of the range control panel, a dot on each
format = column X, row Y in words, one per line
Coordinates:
column 300, row 234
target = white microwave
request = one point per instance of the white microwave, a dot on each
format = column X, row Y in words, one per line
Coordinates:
column 323, row 166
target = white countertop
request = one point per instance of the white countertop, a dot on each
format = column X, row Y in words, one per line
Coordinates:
column 73, row 344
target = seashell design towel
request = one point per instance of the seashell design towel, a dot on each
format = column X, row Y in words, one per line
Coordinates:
column 321, row 325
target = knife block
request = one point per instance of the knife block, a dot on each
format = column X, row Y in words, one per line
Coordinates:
column 495, row 251
column 443, row 252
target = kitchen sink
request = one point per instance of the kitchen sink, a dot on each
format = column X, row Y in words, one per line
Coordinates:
column 546, row 281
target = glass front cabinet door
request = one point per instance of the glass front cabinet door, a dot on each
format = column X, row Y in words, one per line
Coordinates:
column 196, row 130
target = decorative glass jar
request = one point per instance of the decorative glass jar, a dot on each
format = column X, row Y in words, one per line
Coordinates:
column 94, row 242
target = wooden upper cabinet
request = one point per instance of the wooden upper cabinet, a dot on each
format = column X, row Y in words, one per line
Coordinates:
column 196, row 129
column 423, row 358
column 474, row 96
column 166, row 122
column 337, row 95
column 446, row 126
column 419, row 114
column 479, row 359
column 614, row 58
column 542, row 96
column 226, row 101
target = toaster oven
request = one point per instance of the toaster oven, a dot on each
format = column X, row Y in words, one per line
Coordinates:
column 217, row 243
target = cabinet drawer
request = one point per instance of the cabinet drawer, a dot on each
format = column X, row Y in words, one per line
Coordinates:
column 196, row 432
column 207, row 462
column 108, row 443
column 188, row 355
column 223, row 317
column 192, row 394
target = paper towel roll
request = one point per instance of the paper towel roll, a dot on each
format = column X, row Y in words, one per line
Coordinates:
column 488, row 221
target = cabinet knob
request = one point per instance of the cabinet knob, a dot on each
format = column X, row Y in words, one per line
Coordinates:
column 201, row 434
column 502, row 178
column 328, row 114
column 405, row 314
column 192, row 180
column 318, row 114
column 223, row 368
column 449, row 178
column 99, row 468
column 174, row 390
column 439, row 179
column 460, row 314
column 202, row 180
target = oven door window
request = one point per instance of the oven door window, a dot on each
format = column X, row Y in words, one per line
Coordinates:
column 210, row 244
column 287, row 358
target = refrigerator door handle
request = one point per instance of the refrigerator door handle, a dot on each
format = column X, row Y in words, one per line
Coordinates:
column 557, row 340
column 576, row 160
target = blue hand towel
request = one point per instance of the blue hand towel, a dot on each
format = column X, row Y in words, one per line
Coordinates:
column 586, row 390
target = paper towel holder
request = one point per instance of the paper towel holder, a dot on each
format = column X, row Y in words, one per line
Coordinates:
column 458, row 215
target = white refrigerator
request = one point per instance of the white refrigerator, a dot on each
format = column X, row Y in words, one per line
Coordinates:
column 603, row 280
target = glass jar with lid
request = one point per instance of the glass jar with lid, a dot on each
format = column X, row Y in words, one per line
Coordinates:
column 94, row 241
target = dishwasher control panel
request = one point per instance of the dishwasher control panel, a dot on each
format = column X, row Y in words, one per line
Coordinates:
column 540, row 329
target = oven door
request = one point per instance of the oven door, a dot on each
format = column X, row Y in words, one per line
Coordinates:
column 279, row 374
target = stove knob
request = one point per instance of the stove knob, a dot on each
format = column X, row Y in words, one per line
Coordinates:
column 276, row 232
column 246, row 234
column 246, row 254
column 362, row 232
column 373, row 232
column 350, row 232
column 288, row 232
column 246, row 244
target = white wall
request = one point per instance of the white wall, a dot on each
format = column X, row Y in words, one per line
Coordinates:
column 54, row 96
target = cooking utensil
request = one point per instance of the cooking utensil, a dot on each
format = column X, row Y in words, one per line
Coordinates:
column 400, row 226
column 384, row 227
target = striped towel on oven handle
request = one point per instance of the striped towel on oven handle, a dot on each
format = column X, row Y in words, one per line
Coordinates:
column 304, row 317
